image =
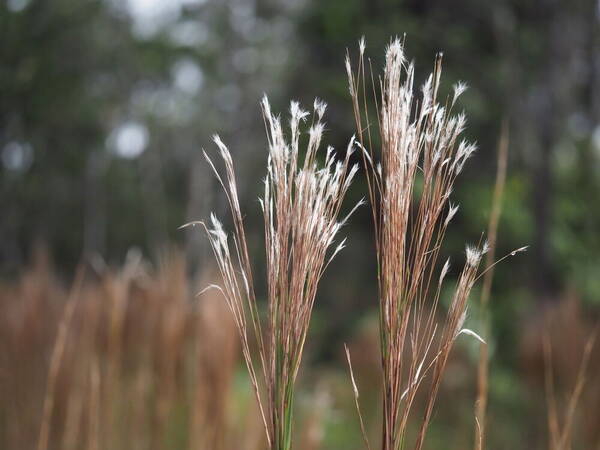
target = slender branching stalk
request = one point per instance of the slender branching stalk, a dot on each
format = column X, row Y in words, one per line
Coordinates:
column 410, row 180
column 561, row 436
column 483, row 362
column 301, row 204
column 56, row 359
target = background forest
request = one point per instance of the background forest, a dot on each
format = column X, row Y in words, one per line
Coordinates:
column 105, row 107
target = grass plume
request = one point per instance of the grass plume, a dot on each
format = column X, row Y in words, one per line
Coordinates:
column 301, row 204
column 410, row 181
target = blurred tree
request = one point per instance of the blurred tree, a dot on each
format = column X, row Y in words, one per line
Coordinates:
column 65, row 67
column 104, row 108
column 535, row 62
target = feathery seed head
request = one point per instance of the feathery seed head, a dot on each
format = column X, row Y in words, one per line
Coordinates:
column 459, row 88
column 320, row 106
column 451, row 212
column 348, row 66
column 362, row 45
column 473, row 256
column 444, row 271
column 485, row 248
column 217, row 229
column 395, row 52
column 297, row 114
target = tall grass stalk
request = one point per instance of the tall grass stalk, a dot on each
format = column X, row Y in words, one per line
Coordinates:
column 301, row 204
column 483, row 362
column 56, row 359
column 410, row 180
column 561, row 435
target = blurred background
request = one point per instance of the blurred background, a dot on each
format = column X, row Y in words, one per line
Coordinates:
column 105, row 106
